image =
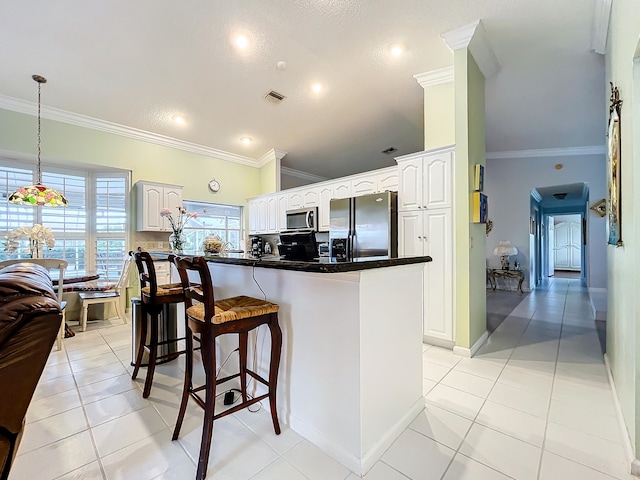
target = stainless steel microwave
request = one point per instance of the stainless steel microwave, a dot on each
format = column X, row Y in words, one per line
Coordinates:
column 302, row 219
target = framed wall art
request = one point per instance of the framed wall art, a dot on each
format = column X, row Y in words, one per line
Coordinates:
column 614, row 200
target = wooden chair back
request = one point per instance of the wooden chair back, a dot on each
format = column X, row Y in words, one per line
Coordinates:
column 146, row 272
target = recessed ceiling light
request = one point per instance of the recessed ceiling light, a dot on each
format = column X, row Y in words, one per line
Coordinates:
column 397, row 50
column 242, row 41
column 246, row 140
column 316, row 87
column 178, row 119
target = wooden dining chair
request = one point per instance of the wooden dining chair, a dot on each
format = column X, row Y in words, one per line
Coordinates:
column 50, row 264
column 106, row 297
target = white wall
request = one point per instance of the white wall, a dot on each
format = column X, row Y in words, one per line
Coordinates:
column 508, row 184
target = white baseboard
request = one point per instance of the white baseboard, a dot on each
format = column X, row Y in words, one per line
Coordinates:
column 359, row 466
column 626, row 439
column 598, row 302
column 470, row 352
column 438, row 342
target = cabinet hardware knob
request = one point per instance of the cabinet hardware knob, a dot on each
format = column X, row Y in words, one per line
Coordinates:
column 419, row 237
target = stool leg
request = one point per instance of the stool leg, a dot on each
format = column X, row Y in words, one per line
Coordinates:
column 153, row 352
column 141, row 342
column 188, row 384
column 208, row 352
column 276, row 347
column 242, row 344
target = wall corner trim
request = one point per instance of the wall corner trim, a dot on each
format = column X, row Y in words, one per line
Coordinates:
column 470, row 352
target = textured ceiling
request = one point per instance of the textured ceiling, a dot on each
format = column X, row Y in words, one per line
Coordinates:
column 140, row 63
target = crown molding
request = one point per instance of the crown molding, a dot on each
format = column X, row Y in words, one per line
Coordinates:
column 273, row 154
column 52, row 113
column 536, row 195
column 435, row 77
column 300, row 174
column 601, row 16
column 474, row 37
column 549, row 152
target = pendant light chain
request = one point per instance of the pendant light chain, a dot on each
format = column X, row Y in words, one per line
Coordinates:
column 39, row 133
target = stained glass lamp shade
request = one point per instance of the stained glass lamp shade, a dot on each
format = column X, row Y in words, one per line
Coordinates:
column 38, row 195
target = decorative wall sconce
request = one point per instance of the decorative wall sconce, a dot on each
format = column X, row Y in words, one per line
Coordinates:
column 600, row 207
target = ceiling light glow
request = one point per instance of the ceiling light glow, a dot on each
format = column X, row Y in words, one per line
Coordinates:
column 397, row 50
column 316, row 87
column 178, row 119
column 242, row 41
column 246, row 140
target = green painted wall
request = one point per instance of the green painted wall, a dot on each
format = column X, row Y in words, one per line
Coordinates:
column 623, row 264
column 439, row 116
column 268, row 177
column 470, row 238
column 62, row 142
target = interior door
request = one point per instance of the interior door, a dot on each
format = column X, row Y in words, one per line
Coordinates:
column 568, row 240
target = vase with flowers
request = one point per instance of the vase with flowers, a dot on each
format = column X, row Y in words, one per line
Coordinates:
column 177, row 241
column 39, row 237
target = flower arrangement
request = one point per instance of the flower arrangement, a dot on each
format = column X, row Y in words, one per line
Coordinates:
column 38, row 236
column 177, row 240
column 214, row 244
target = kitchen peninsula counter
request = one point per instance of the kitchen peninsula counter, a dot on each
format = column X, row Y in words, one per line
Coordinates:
column 350, row 378
column 322, row 265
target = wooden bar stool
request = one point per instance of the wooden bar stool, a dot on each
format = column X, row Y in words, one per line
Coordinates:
column 212, row 318
column 154, row 298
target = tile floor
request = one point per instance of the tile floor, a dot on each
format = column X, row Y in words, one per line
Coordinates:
column 533, row 404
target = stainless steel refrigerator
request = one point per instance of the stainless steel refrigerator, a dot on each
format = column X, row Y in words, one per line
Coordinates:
column 364, row 226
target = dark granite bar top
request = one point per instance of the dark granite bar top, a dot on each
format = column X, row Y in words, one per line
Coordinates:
column 322, row 265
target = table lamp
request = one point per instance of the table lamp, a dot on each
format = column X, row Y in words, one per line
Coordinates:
column 503, row 250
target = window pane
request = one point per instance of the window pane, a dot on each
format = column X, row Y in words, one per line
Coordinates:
column 222, row 220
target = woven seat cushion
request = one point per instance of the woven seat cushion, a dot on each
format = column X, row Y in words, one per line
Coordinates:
column 234, row 308
column 168, row 289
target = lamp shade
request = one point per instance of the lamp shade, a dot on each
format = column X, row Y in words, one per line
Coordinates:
column 505, row 248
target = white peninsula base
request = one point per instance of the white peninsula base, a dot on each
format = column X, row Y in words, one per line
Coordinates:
column 350, row 379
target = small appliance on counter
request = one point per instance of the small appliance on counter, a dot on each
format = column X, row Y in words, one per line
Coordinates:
column 255, row 249
column 298, row 245
column 323, row 249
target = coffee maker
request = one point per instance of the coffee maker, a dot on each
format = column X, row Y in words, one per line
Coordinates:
column 255, row 243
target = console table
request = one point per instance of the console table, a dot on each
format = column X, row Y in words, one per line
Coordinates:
column 498, row 273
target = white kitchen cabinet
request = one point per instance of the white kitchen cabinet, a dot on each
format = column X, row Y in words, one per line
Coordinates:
column 388, row 180
column 283, row 205
column 163, row 272
column 310, row 197
column 425, row 227
column 151, row 199
column 325, row 194
column 272, row 214
column 342, row 189
column 425, row 180
column 253, row 216
column 364, row 185
column 262, row 215
column 296, row 200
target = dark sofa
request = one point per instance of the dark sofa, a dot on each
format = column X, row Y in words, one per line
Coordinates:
column 30, row 318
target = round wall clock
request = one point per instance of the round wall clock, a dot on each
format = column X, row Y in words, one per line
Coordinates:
column 214, row 185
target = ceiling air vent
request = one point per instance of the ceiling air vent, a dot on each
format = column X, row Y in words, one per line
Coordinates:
column 560, row 196
column 274, row 97
column 390, row 150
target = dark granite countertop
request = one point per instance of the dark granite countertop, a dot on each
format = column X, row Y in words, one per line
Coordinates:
column 323, row 265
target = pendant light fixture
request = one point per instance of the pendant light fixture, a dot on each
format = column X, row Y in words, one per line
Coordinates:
column 38, row 195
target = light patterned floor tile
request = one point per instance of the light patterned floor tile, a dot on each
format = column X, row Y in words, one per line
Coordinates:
column 501, row 452
column 455, row 401
column 53, row 428
column 417, row 456
column 465, row 468
column 466, row 382
column 555, row 467
column 279, row 470
column 314, row 463
column 515, row 423
column 442, row 426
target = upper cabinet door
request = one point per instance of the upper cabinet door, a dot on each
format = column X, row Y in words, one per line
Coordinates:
column 172, row 200
column 283, row 205
column 364, row 185
column 310, row 197
column 272, row 214
column 152, row 198
column 342, row 189
column 410, row 184
column 437, row 181
column 325, row 193
column 295, row 200
column 388, row 181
